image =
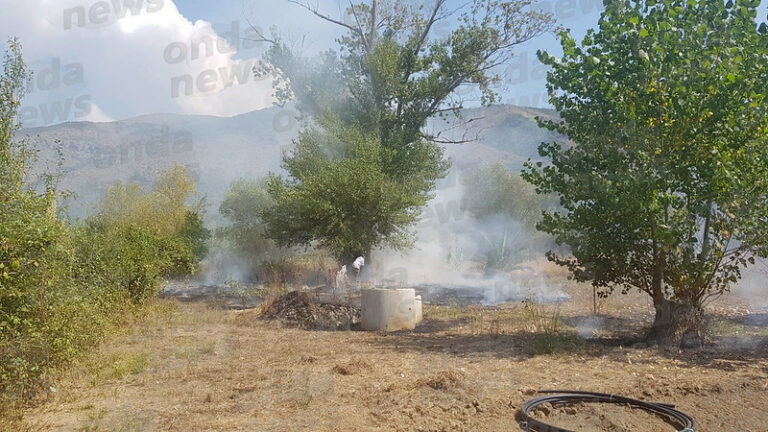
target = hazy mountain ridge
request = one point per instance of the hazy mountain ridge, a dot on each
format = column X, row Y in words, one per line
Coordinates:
column 218, row 150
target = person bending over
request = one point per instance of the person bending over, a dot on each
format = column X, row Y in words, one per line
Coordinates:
column 358, row 266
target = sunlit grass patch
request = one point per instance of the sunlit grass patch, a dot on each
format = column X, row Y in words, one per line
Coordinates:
column 116, row 366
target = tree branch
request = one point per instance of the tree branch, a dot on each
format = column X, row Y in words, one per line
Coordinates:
column 464, row 137
column 258, row 33
column 430, row 22
column 359, row 26
column 326, row 17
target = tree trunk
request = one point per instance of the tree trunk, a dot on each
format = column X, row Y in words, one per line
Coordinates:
column 372, row 33
column 676, row 324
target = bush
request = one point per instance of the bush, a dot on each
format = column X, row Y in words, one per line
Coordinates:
column 247, row 237
column 246, row 232
column 62, row 285
column 50, row 309
column 505, row 209
column 80, row 283
column 195, row 234
column 135, row 260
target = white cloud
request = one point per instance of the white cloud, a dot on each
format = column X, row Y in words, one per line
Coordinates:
column 95, row 61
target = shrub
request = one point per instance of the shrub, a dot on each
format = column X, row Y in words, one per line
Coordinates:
column 62, row 285
column 195, row 234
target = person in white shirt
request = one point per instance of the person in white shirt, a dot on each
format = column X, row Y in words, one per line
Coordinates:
column 358, row 266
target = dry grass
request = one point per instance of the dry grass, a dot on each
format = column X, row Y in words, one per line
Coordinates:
column 116, row 366
column 442, row 380
column 352, row 367
column 188, row 366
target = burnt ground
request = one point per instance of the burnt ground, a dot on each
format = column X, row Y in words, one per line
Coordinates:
column 190, row 366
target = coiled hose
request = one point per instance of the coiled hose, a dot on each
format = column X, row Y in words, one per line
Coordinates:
column 570, row 397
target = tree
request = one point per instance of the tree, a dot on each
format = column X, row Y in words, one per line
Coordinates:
column 63, row 282
column 494, row 189
column 370, row 102
column 14, row 155
column 163, row 211
column 506, row 210
column 29, row 226
column 195, row 234
column 664, row 186
column 243, row 206
column 151, row 234
column 346, row 204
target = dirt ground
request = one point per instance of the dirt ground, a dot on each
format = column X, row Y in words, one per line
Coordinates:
column 196, row 367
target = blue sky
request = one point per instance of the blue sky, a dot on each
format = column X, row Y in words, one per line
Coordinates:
column 523, row 79
column 93, row 62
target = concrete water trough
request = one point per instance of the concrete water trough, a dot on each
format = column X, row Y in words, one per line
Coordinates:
column 390, row 309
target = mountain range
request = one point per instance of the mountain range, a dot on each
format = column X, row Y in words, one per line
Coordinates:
column 218, row 150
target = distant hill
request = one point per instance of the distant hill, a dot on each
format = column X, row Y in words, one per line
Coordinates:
column 505, row 133
column 219, row 150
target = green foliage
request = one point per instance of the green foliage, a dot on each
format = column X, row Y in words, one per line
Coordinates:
column 162, row 211
column 136, row 260
column 140, row 261
column 665, row 184
column 505, row 210
column 360, row 175
column 347, row 204
column 393, row 72
column 151, row 233
column 13, row 155
column 496, row 190
column 243, row 205
column 28, row 230
column 62, row 284
column 195, row 234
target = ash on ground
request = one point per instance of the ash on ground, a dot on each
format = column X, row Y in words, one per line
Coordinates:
column 297, row 308
column 486, row 295
column 227, row 296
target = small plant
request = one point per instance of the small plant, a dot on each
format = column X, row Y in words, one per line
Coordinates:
column 549, row 336
column 539, row 320
column 449, row 311
column 494, row 329
column 116, row 366
column 130, row 364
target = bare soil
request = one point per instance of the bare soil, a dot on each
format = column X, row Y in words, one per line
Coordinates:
column 197, row 367
column 585, row 417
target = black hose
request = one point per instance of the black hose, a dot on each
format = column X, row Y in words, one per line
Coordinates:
column 570, row 397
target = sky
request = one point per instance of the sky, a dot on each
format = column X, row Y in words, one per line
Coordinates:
column 104, row 60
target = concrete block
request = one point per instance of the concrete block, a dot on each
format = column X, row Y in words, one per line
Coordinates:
column 389, row 309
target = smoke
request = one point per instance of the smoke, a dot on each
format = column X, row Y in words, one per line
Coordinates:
column 469, row 246
column 752, row 287
column 223, row 265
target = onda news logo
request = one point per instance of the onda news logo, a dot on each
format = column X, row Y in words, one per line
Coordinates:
column 56, row 92
column 103, row 13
